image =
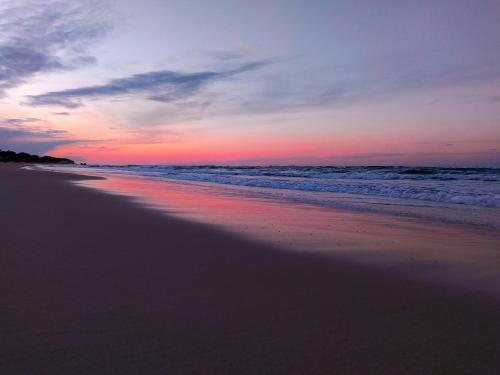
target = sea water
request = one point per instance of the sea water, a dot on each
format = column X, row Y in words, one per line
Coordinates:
column 469, row 186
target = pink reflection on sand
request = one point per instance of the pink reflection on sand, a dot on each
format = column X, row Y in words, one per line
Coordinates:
column 453, row 254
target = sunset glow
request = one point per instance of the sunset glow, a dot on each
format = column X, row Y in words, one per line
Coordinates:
column 124, row 82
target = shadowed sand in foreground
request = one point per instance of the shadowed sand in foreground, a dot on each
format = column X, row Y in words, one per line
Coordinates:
column 94, row 284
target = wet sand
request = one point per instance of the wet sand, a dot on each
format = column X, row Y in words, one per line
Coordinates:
column 94, row 283
column 452, row 252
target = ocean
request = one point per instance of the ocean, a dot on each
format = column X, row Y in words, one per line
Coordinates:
column 467, row 186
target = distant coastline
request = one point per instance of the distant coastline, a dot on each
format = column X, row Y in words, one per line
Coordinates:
column 24, row 157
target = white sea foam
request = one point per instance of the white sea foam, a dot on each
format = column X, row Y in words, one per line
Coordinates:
column 468, row 186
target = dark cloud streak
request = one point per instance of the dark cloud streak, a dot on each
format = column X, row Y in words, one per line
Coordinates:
column 161, row 86
column 33, row 141
column 20, row 121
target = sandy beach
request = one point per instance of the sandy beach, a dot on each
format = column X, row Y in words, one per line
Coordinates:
column 93, row 283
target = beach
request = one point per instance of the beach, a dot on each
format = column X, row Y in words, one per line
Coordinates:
column 99, row 283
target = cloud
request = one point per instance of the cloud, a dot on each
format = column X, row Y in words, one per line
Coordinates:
column 20, row 121
column 293, row 100
column 41, row 37
column 161, row 86
column 291, row 92
column 424, row 78
column 224, row 55
column 61, row 113
column 33, row 141
column 31, row 134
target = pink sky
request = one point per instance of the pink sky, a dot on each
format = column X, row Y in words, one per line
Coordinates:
column 329, row 83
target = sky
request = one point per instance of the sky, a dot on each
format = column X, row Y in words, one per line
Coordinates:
column 252, row 82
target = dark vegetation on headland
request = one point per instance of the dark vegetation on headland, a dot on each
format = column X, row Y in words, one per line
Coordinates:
column 23, row 157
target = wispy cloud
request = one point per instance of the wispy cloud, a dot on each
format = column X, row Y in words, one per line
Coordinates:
column 423, row 78
column 29, row 140
column 161, row 86
column 285, row 91
column 20, row 121
column 35, row 135
column 40, row 37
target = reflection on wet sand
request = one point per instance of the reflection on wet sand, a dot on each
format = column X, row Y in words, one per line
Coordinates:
column 447, row 253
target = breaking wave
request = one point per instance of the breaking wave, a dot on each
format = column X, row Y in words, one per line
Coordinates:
column 470, row 186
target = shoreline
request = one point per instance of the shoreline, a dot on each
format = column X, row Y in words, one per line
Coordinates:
column 471, row 217
column 455, row 255
column 95, row 284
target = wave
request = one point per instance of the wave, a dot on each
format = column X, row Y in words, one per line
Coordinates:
column 470, row 186
column 363, row 173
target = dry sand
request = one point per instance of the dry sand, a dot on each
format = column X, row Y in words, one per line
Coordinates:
column 91, row 283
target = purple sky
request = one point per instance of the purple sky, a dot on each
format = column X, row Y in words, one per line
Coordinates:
column 341, row 82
